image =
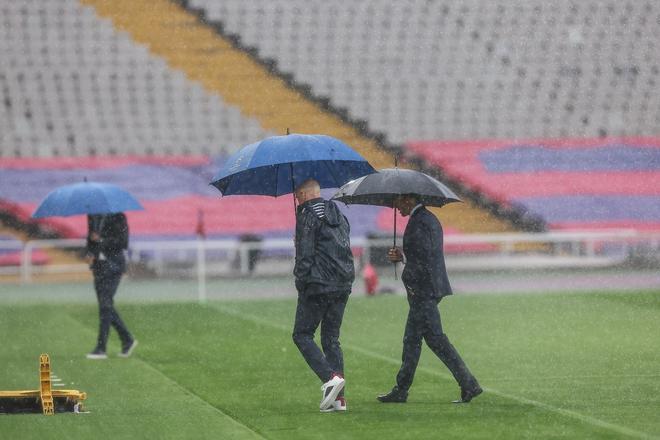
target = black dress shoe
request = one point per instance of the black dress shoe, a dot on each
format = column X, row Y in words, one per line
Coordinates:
column 394, row 396
column 469, row 394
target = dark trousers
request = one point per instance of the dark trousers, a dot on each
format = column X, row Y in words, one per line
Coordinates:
column 106, row 281
column 328, row 311
column 424, row 323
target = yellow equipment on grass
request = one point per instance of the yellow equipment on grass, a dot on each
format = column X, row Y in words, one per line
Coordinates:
column 45, row 399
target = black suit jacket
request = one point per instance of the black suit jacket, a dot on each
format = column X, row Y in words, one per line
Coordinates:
column 425, row 274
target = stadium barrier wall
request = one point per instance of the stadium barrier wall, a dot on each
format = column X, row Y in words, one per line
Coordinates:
column 204, row 259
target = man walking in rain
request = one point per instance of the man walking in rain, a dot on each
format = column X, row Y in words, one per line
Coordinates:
column 324, row 274
column 426, row 282
column 106, row 241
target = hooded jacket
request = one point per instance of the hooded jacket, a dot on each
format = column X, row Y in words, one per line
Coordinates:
column 324, row 261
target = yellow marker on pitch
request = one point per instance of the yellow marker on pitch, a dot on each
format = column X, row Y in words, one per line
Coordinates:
column 45, row 399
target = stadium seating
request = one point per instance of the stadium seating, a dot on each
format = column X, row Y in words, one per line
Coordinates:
column 420, row 70
column 173, row 191
column 571, row 184
column 176, row 195
column 71, row 85
column 484, row 69
column 76, row 84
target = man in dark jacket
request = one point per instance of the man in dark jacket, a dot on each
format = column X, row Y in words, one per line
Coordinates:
column 107, row 239
column 324, row 274
column 426, row 282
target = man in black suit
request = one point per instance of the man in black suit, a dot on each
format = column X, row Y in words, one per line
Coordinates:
column 426, row 282
column 107, row 239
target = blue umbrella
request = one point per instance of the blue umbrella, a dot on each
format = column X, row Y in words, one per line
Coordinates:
column 86, row 198
column 276, row 165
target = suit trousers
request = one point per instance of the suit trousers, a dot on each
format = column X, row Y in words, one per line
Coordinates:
column 326, row 310
column 424, row 323
column 106, row 281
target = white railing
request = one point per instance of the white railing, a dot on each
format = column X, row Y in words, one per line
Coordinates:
column 161, row 255
column 27, row 268
column 203, row 258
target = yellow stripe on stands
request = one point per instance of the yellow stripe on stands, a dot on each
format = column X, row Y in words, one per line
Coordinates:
column 195, row 48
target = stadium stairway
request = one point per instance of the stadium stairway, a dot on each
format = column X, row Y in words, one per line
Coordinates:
column 205, row 55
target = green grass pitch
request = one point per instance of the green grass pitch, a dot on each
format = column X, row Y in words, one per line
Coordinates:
column 553, row 366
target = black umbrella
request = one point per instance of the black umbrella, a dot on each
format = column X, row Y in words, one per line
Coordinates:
column 383, row 187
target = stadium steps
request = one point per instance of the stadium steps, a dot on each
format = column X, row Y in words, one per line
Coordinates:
column 196, row 48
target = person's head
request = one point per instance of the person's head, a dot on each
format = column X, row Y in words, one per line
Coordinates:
column 308, row 190
column 405, row 203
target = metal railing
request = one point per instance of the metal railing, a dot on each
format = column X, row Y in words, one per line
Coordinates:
column 231, row 257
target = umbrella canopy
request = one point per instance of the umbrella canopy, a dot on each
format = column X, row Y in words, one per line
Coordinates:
column 276, row 165
column 86, row 198
column 382, row 187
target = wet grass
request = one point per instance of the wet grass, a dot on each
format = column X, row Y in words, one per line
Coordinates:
column 555, row 365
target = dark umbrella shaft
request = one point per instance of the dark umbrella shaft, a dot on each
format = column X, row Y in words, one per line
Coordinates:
column 394, row 238
column 293, row 185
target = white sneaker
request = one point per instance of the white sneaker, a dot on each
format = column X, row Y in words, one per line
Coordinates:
column 338, row 405
column 96, row 354
column 127, row 351
column 330, row 390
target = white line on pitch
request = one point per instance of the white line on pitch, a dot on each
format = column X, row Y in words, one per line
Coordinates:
column 185, row 390
column 565, row 412
column 577, row 377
